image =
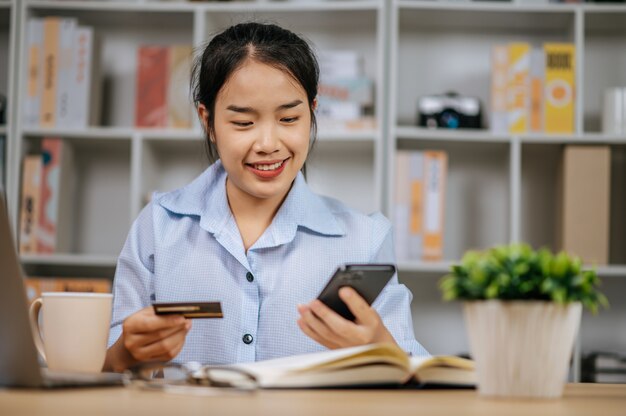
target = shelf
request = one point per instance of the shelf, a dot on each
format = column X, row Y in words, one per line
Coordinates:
column 69, row 260
column 442, row 16
column 112, row 6
column 346, row 136
column 460, row 135
column 589, row 138
column 486, row 6
column 114, row 21
column 112, row 133
column 604, row 8
column 322, row 135
column 500, row 187
column 69, row 265
column 425, row 266
column 610, row 271
column 241, row 6
column 173, row 135
column 444, row 267
column 510, row 6
column 293, row 6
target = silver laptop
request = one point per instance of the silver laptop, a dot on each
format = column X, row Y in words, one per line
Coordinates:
column 19, row 363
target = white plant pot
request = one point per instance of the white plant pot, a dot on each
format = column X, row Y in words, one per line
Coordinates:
column 521, row 348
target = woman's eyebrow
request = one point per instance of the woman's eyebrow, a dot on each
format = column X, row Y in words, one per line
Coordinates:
column 248, row 110
column 238, row 109
column 289, row 105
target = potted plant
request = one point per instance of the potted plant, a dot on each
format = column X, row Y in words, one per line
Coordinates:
column 522, row 311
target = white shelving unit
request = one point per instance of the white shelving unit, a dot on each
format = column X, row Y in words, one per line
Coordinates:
column 500, row 187
column 126, row 165
column 8, row 32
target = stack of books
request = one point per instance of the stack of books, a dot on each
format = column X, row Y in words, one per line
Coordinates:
column 46, row 209
column 533, row 90
column 420, row 204
column 3, row 105
column 63, row 89
column 2, row 162
column 345, row 95
column 604, row 367
column 162, row 94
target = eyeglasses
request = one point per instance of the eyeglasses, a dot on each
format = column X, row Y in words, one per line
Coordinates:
column 191, row 378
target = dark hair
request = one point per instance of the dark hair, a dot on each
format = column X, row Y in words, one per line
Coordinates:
column 265, row 43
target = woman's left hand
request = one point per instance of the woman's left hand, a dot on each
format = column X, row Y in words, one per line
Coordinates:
column 331, row 330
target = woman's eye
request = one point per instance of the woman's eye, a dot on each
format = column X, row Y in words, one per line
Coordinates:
column 242, row 123
column 289, row 119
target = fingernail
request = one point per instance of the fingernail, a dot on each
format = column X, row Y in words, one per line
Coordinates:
column 345, row 292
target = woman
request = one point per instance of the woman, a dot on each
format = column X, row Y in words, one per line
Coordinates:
column 248, row 232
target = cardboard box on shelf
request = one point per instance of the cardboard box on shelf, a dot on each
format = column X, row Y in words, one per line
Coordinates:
column 584, row 203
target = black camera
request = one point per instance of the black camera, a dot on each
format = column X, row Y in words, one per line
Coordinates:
column 450, row 110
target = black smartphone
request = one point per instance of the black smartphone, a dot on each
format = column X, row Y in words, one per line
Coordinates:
column 367, row 279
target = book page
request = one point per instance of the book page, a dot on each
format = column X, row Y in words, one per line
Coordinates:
column 441, row 361
column 345, row 357
column 376, row 374
column 369, row 364
column 443, row 370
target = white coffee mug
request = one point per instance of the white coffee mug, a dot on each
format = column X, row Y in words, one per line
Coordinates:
column 75, row 329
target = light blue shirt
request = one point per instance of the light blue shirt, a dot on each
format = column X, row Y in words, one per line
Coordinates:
column 185, row 246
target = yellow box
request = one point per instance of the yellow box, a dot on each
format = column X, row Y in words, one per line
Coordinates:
column 560, row 87
column 518, row 95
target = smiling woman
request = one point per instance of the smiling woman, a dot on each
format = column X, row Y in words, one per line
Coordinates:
column 248, row 231
column 261, row 130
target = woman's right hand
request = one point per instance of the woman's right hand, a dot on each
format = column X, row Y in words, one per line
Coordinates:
column 147, row 337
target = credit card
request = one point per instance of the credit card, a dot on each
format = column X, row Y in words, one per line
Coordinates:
column 190, row 310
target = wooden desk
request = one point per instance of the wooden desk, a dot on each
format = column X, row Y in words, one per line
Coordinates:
column 579, row 399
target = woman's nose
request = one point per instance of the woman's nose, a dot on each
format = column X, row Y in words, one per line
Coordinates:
column 267, row 141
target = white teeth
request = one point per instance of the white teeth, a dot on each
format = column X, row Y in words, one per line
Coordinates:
column 268, row 167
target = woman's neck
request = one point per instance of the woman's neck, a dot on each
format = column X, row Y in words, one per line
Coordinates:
column 253, row 215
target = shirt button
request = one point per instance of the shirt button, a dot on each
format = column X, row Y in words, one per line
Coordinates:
column 247, row 339
column 250, row 277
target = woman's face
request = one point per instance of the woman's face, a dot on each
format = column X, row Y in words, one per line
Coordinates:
column 262, row 128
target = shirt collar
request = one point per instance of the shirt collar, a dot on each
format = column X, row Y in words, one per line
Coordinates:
column 302, row 207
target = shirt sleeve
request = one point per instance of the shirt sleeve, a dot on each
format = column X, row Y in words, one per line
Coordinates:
column 132, row 285
column 394, row 303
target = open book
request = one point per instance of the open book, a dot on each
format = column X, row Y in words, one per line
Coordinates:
column 375, row 364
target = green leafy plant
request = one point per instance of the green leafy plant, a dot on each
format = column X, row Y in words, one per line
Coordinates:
column 517, row 272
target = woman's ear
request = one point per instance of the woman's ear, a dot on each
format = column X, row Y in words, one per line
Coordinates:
column 203, row 114
column 314, row 106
